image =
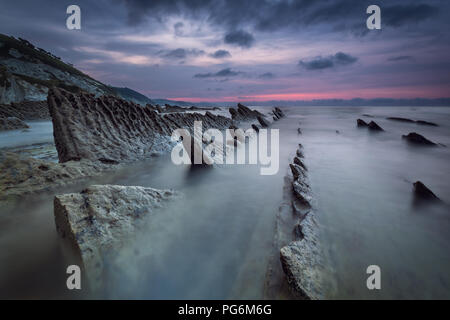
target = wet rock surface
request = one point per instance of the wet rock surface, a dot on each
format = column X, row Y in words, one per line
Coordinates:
column 86, row 127
column 421, row 122
column 243, row 113
column 301, row 259
column 361, row 123
column 98, row 221
column 374, row 126
column 422, row 193
column 12, row 123
column 263, row 122
column 427, row 123
column 400, row 119
column 24, row 175
column 172, row 108
column 26, row 110
column 417, row 139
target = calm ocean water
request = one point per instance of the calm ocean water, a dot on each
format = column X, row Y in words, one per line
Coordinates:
column 216, row 241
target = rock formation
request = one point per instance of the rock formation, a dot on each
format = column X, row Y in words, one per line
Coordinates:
column 421, row 122
column 301, row 258
column 26, row 110
column 374, row 126
column 427, row 123
column 361, row 123
column 99, row 220
column 22, row 175
column 418, row 139
column 12, row 123
column 113, row 130
column 243, row 113
column 400, row 119
column 255, row 127
column 263, row 122
column 421, row 192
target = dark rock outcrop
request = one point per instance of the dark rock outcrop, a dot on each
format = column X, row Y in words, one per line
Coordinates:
column 12, row 123
column 374, row 126
column 243, row 113
column 421, row 122
column 98, row 221
column 361, row 123
column 400, row 119
column 278, row 112
column 263, row 122
column 418, row 139
column 427, row 123
column 86, row 127
column 26, row 110
column 421, row 192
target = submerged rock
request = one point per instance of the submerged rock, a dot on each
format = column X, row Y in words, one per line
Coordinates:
column 255, row 127
column 427, row 123
column 361, row 123
column 12, row 123
column 263, row 122
column 418, row 139
column 374, row 126
column 400, row 119
column 421, row 192
column 98, row 221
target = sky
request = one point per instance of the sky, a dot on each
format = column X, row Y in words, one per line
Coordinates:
column 247, row 50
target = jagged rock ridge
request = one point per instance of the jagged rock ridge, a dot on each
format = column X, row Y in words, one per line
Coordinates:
column 113, row 130
column 301, row 259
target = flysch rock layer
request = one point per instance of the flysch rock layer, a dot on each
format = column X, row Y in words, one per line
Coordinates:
column 12, row 123
column 301, row 259
column 112, row 130
column 25, row 175
column 98, row 222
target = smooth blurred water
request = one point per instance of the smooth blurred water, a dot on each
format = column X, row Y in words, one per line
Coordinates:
column 216, row 240
column 362, row 182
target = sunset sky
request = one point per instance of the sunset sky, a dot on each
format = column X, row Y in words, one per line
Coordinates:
column 259, row 50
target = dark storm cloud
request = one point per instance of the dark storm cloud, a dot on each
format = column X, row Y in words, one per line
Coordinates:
column 398, row 15
column 269, row 15
column 220, row 74
column 320, row 63
column 400, row 58
column 181, row 53
column 219, row 54
column 239, row 38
